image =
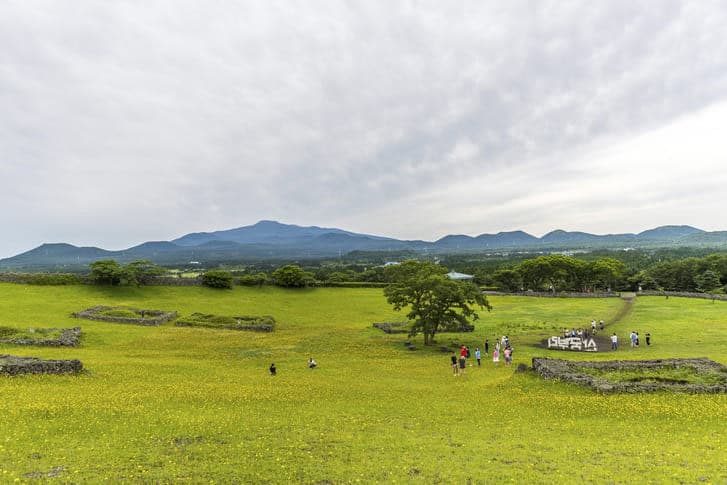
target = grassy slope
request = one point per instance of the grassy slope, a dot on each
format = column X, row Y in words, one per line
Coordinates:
column 190, row 404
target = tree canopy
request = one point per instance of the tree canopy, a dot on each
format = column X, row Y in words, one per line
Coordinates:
column 434, row 301
column 110, row 272
column 291, row 275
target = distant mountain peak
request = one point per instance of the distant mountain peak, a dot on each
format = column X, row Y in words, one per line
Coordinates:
column 269, row 239
column 670, row 232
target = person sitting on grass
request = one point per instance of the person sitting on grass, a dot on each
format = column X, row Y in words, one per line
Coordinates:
column 312, row 363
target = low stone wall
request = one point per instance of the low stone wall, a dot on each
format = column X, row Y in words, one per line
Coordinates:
column 561, row 294
column 70, row 337
column 171, row 281
column 158, row 317
column 49, row 279
column 262, row 327
column 403, row 327
column 392, row 327
column 13, row 365
column 262, row 323
column 570, row 371
column 683, row 294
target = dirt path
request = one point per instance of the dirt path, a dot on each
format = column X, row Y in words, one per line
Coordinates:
column 628, row 299
column 602, row 338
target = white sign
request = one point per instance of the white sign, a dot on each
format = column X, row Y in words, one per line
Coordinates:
column 572, row 343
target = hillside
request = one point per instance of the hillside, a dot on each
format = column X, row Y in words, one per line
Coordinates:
column 274, row 240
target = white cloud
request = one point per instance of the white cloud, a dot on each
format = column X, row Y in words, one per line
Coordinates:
column 161, row 118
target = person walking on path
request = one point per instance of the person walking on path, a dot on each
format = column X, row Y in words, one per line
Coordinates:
column 478, row 356
column 454, row 364
column 614, row 342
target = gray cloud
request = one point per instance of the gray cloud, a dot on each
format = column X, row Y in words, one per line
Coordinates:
column 129, row 121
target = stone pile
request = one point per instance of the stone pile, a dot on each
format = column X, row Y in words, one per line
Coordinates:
column 69, row 337
column 13, row 365
column 253, row 324
column 571, row 371
column 146, row 317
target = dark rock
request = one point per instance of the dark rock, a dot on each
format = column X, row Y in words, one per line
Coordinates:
column 13, row 365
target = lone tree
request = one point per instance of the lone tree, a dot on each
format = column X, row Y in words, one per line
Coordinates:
column 434, row 301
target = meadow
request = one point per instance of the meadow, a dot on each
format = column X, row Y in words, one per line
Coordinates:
column 181, row 404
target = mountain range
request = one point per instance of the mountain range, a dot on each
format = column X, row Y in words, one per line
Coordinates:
column 276, row 241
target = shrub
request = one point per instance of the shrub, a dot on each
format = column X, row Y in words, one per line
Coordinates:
column 217, row 278
column 291, row 275
column 257, row 279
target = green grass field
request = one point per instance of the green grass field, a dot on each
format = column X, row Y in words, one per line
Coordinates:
column 175, row 404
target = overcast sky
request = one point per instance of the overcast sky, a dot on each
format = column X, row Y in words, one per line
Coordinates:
column 128, row 121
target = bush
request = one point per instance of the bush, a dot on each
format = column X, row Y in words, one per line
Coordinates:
column 291, row 275
column 217, row 278
column 257, row 279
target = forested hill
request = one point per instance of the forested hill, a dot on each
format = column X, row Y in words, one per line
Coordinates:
column 272, row 240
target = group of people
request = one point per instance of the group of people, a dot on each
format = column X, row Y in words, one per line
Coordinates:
column 312, row 364
column 584, row 332
column 633, row 338
column 502, row 347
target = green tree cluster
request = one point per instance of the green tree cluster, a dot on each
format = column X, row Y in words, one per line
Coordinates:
column 110, row 272
column 557, row 272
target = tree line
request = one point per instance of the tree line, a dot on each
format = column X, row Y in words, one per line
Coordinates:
column 553, row 272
